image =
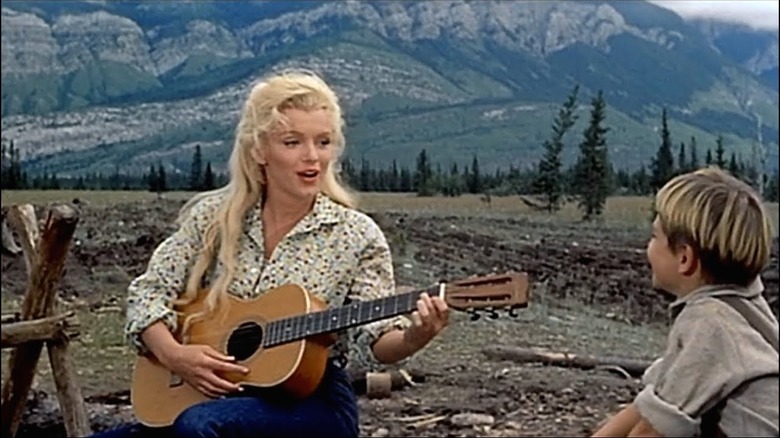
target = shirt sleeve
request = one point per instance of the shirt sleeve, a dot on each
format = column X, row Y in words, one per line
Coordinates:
column 651, row 373
column 700, row 366
column 151, row 295
column 374, row 279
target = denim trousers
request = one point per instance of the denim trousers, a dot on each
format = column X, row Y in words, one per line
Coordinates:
column 331, row 412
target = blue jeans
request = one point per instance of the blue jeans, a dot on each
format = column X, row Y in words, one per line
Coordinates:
column 331, row 412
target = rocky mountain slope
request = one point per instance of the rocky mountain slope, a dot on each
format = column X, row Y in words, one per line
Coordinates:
column 92, row 86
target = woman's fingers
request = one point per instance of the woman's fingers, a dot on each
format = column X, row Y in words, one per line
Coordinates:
column 416, row 319
column 217, row 355
column 423, row 309
column 219, row 384
column 440, row 306
column 208, row 389
column 228, row 366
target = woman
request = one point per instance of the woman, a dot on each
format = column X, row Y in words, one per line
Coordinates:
column 283, row 217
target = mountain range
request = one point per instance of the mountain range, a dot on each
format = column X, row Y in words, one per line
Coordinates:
column 99, row 86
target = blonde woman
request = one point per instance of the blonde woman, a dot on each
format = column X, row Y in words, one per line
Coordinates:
column 283, row 218
column 719, row 374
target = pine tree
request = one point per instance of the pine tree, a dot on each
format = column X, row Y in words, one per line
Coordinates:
column 549, row 180
column 593, row 166
column 720, row 153
column 663, row 164
column 196, row 172
column 153, row 179
column 208, row 178
column 394, row 178
column 733, row 165
column 162, row 183
column 682, row 165
column 693, row 164
column 475, row 181
column 641, row 181
column 708, row 158
column 347, row 173
column 772, row 188
column 406, row 184
column 365, row 176
column 422, row 182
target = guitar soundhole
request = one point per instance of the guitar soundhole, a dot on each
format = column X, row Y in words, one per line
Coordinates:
column 245, row 340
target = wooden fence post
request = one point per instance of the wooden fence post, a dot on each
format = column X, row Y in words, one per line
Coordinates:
column 45, row 259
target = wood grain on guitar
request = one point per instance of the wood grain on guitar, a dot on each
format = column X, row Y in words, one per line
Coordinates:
column 284, row 336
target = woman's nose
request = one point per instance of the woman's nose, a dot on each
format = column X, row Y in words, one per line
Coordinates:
column 310, row 151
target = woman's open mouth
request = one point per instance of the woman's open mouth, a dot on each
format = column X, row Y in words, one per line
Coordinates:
column 309, row 176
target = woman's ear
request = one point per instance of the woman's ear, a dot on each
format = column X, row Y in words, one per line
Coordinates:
column 258, row 153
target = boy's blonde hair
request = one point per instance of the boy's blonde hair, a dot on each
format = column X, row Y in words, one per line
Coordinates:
column 722, row 218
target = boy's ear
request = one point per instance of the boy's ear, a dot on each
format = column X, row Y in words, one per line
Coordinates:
column 688, row 260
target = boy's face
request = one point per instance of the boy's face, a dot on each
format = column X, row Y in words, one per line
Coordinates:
column 667, row 266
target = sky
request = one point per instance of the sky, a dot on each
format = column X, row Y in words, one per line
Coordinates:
column 759, row 14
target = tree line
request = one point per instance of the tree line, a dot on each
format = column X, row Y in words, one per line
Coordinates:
column 589, row 180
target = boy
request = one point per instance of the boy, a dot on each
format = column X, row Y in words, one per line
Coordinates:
column 719, row 373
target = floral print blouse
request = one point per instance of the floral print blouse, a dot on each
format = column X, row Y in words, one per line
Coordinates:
column 334, row 252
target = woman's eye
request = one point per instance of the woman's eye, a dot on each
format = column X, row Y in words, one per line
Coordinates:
column 290, row 143
column 324, row 143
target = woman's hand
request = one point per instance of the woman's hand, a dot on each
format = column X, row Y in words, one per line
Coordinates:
column 198, row 365
column 431, row 316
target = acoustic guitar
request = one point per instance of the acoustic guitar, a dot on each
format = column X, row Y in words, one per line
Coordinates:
column 283, row 337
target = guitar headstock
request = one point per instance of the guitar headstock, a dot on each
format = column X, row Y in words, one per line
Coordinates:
column 489, row 293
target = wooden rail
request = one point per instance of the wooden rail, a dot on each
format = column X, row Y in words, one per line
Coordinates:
column 39, row 322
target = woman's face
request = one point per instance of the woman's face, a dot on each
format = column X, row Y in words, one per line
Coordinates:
column 296, row 156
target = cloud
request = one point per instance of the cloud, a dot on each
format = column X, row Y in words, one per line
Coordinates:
column 758, row 14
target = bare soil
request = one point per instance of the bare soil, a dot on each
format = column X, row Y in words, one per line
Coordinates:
column 591, row 295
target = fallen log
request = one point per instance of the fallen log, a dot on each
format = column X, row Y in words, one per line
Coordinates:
column 7, row 318
column 52, row 328
column 533, row 203
column 633, row 367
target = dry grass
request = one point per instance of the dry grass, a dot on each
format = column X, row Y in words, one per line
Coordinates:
column 630, row 210
column 96, row 197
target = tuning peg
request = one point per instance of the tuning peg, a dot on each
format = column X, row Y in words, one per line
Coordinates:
column 492, row 314
column 512, row 312
column 474, row 315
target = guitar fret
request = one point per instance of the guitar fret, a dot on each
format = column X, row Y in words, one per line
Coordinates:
column 333, row 319
column 339, row 318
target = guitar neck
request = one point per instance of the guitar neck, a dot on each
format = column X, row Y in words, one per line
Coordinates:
column 336, row 319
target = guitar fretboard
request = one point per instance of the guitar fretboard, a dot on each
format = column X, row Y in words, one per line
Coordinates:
column 340, row 318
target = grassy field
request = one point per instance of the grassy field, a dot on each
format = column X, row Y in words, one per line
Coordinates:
column 568, row 322
column 630, row 210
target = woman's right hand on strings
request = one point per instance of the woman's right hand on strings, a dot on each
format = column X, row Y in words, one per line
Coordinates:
column 198, row 365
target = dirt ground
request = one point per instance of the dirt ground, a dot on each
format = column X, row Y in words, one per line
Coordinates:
column 591, row 295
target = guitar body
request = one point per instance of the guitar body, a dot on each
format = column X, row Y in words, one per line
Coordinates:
column 283, row 337
column 297, row 367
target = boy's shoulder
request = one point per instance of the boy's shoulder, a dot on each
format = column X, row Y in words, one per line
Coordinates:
column 716, row 318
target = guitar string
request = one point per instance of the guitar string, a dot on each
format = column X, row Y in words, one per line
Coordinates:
column 342, row 315
column 278, row 333
column 338, row 313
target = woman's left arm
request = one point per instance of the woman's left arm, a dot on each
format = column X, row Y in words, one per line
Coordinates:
column 431, row 316
column 390, row 341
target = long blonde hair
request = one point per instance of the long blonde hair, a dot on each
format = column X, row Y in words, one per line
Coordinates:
column 262, row 111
